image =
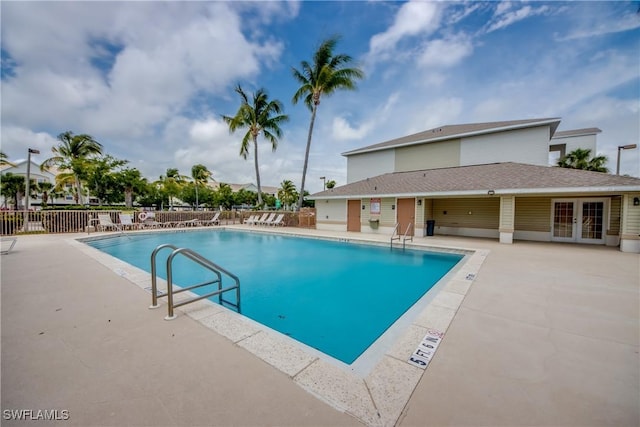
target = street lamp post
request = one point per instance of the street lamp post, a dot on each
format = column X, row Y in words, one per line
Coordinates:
column 27, row 184
column 324, row 182
column 620, row 148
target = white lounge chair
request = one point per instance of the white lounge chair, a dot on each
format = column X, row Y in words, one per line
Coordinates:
column 257, row 221
column 7, row 244
column 150, row 221
column 105, row 223
column 251, row 220
column 212, row 221
column 126, row 221
column 278, row 221
column 269, row 220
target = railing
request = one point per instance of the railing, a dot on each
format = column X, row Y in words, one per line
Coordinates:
column 406, row 236
column 396, row 234
column 194, row 256
column 77, row 221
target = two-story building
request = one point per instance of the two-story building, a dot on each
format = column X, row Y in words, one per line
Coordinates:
column 484, row 180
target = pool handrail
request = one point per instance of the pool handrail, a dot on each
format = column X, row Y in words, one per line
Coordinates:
column 196, row 257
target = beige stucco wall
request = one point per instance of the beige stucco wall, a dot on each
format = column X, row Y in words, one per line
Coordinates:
column 529, row 145
column 428, row 156
column 367, row 165
column 331, row 212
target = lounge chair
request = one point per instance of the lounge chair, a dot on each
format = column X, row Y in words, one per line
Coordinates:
column 150, row 221
column 212, row 221
column 127, row 222
column 278, row 221
column 261, row 219
column 7, row 244
column 251, row 220
column 269, row 220
column 105, row 223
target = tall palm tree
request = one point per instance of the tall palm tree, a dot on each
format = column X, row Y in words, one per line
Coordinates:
column 327, row 73
column 200, row 175
column 580, row 158
column 72, row 155
column 261, row 116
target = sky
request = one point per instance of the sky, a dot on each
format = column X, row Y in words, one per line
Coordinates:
column 152, row 80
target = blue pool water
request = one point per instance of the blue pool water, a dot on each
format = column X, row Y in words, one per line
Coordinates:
column 337, row 297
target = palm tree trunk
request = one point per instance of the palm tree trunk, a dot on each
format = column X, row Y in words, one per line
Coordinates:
column 306, row 154
column 255, row 158
column 128, row 197
column 78, row 191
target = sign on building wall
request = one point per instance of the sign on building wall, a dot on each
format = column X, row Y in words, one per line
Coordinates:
column 375, row 206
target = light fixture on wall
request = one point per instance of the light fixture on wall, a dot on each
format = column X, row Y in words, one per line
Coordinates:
column 419, row 202
column 491, row 192
column 636, row 201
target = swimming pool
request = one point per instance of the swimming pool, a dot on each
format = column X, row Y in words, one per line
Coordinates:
column 337, row 297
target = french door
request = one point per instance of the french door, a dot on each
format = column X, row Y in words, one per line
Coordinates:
column 579, row 220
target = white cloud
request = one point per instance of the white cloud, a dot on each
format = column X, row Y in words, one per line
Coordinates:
column 504, row 17
column 445, row 53
column 168, row 54
column 590, row 27
column 343, row 131
column 413, row 18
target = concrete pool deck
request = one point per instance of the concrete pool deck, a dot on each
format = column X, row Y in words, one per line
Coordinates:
column 546, row 335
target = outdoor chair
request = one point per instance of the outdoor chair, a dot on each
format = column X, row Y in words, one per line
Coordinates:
column 7, row 244
column 251, row 220
column 105, row 223
column 126, row 221
column 261, row 219
column 269, row 220
column 278, row 221
column 149, row 220
column 213, row 221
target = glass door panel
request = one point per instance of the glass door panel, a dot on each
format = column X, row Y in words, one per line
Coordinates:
column 592, row 220
column 563, row 220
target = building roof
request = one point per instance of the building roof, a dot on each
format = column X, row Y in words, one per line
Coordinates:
column 502, row 178
column 456, row 131
column 576, row 132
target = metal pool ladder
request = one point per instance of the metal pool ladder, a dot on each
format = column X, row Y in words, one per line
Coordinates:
column 396, row 235
column 199, row 259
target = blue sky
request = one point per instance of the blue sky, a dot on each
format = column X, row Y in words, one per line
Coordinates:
column 150, row 80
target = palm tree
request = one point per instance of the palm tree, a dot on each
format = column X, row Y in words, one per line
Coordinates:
column 72, row 154
column 327, row 73
column 12, row 187
column 44, row 188
column 171, row 183
column 580, row 158
column 287, row 193
column 4, row 160
column 260, row 117
column 330, row 184
column 200, row 175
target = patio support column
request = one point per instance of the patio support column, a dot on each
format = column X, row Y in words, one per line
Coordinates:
column 630, row 223
column 507, row 218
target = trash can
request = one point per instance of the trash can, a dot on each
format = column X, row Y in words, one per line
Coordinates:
column 431, row 224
